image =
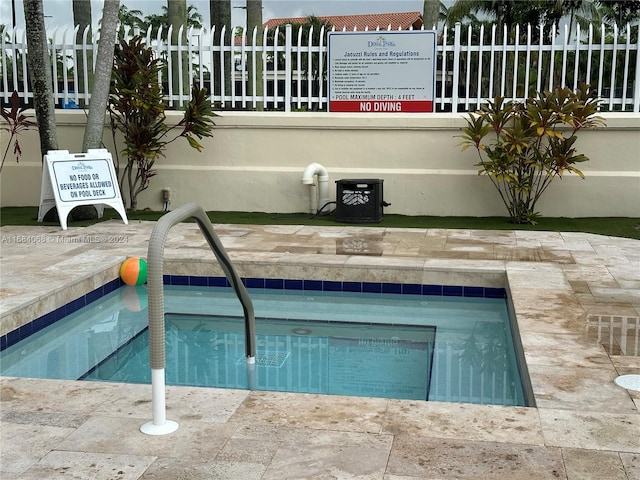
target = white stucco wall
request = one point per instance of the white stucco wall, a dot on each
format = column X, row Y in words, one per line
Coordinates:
column 255, row 161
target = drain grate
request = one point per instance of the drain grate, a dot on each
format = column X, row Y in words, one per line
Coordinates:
column 269, row 359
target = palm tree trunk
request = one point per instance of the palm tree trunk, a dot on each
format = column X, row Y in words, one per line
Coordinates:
column 430, row 13
column 220, row 12
column 39, row 64
column 254, row 21
column 104, row 62
column 177, row 17
column 82, row 20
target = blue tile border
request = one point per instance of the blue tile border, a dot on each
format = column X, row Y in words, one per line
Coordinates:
column 272, row 283
column 452, row 291
column 216, row 282
column 354, row 287
column 331, row 286
column 495, row 293
column 294, row 284
column 371, row 287
column 312, row 284
column 411, row 289
column 473, row 292
column 432, row 290
column 392, row 288
column 253, row 282
column 57, row 314
column 199, row 281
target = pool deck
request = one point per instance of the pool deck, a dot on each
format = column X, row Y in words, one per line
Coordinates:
column 577, row 303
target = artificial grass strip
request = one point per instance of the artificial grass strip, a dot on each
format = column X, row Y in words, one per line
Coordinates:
column 627, row 227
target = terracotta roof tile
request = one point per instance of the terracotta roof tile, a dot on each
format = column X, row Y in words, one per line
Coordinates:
column 398, row 21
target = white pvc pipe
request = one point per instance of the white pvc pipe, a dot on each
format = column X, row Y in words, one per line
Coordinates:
column 313, row 170
column 251, row 373
column 160, row 425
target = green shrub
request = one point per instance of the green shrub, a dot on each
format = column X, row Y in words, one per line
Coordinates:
column 523, row 146
column 137, row 111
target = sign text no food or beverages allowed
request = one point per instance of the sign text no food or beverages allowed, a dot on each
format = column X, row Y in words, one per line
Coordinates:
column 72, row 180
column 382, row 71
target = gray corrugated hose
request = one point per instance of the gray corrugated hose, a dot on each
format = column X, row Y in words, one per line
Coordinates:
column 155, row 260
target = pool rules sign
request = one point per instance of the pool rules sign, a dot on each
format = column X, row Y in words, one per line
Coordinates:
column 382, row 71
column 72, row 180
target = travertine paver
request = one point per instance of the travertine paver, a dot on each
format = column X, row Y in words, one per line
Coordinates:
column 203, row 469
column 182, row 404
column 590, row 465
column 24, row 444
column 426, row 457
column 96, row 466
column 591, row 430
column 102, row 434
column 577, row 303
column 351, row 414
column 463, row 421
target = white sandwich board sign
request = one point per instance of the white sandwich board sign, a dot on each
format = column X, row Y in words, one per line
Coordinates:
column 382, row 71
column 70, row 180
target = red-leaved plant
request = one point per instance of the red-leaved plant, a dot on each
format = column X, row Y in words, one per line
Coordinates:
column 17, row 122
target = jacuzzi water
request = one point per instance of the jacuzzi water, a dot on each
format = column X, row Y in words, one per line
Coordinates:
column 453, row 349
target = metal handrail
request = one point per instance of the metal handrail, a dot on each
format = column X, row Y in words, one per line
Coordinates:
column 155, row 260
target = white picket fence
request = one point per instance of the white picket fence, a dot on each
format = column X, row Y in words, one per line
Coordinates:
column 474, row 64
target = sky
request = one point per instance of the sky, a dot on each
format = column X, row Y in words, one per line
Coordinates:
column 59, row 12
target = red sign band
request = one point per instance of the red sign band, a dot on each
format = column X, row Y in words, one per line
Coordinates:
column 381, row 106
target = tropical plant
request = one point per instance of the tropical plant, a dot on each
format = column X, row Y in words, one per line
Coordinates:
column 523, row 146
column 137, row 112
column 502, row 12
column 175, row 15
column 157, row 21
column 546, row 12
column 129, row 20
column 17, row 122
column 620, row 12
